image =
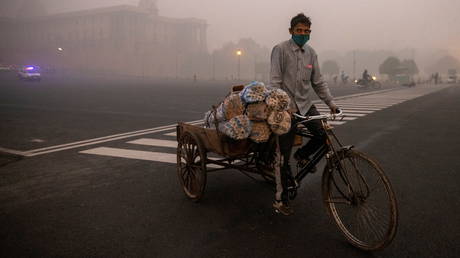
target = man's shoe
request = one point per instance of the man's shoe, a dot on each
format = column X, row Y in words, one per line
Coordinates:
column 282, row 208
column 303, row 162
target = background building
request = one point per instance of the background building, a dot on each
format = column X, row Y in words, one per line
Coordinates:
column 130, row 40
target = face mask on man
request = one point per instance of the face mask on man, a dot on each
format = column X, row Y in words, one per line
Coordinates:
column 300, row 40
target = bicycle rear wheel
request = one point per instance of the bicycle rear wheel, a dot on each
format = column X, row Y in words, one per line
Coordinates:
column 360, row 198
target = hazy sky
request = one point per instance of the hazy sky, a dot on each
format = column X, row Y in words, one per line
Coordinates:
column 337, row 24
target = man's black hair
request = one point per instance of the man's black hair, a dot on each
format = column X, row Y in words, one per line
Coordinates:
column 300, row 18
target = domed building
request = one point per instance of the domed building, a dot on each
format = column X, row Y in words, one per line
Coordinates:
column 123, row 39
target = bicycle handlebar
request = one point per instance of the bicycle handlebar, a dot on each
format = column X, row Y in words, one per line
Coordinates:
column 318, row 117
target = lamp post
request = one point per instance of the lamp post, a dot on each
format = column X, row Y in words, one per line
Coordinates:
column 238, row 54
column 213, row 65
column 61, row 61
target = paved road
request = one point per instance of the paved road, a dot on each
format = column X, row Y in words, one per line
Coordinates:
column 76, row 203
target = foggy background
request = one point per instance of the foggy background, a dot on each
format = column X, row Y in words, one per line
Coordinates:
column 423, row 30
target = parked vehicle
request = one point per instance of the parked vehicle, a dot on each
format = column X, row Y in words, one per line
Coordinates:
column 452, row 76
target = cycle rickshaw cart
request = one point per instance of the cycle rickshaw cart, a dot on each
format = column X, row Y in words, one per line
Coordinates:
column 356, row 191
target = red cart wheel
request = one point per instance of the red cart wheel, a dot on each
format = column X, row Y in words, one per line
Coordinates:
column 191, row 166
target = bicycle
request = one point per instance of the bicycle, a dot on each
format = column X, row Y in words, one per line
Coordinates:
column 351, row 183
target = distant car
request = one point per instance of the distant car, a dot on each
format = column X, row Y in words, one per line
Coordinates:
column 31, row 73
column 452, row 80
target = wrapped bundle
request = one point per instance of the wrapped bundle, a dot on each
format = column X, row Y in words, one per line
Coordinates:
column 232, row 106
column 257, row 111
column 253, row 92
column 237, row 128
column 277, row 100
column 280, row 122
column 260, row 132
column 220, row 113
column 209, row 120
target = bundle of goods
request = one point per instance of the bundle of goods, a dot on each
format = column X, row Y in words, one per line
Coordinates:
column 255, row 112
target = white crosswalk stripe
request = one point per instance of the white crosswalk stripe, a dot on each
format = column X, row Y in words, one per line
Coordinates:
column 133, row 154
column 354, row 107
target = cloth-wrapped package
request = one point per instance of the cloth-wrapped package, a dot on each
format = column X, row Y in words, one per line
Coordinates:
column 237, row 128
column 220, row 112
column 260, row 132
column 279, row 121
column 277, row 100
column 232, row 106
column 209, row 120
column 257, row 111
column 254, row 92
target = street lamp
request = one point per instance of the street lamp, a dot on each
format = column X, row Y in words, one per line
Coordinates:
column 238, row 54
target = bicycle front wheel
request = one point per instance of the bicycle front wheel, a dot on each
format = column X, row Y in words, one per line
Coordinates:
column 359, row 197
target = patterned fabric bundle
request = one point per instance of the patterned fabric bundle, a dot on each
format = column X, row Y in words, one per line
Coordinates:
column 280, row 122
column 253, row 92
column 232, row 106
column 209, row 120
column 260, row 132
column 237, row 128
column 257, row 111
column 264, row 109
column 277, row 100
column 220, row 112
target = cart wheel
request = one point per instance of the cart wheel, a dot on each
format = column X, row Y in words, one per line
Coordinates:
column 191, row 166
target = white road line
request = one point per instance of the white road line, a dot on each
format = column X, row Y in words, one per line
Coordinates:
column 10, row 151
column 171, row 134
column 155, row 142
column 355, row 114
column 137, row 154
column 359, row 104
column 376, row 98
column 345, row 111
column 337, row 122
column 133, row 154
column 56, row 148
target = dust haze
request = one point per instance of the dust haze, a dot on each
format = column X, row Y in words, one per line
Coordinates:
column 423, row 30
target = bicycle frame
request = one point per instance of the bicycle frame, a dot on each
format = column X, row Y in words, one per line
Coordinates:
column 321, row 152
column 329, row 151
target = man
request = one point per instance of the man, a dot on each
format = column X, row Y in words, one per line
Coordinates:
column 366, row 77
column 295, row 69
column 344, row 77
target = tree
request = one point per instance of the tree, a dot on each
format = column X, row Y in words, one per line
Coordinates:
column 330, row 67
column 444, row 64
column 390, row 66
column 411, row 66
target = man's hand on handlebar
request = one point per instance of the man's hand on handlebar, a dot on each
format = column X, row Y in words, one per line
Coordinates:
column 334, row 109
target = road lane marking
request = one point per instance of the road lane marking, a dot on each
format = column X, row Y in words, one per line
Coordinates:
column 155, row 142
column 73, row 145
column 171, row 134
column 345, row 111
column 337, row 122
column 382, row 97
column 139, row 155
column 11, row 151
column 133, row 154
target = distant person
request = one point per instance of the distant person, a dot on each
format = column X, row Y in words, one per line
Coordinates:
column 295, row 69
column 366, row 76
column 436, row 78
column 344, row 77
column 335, row 80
